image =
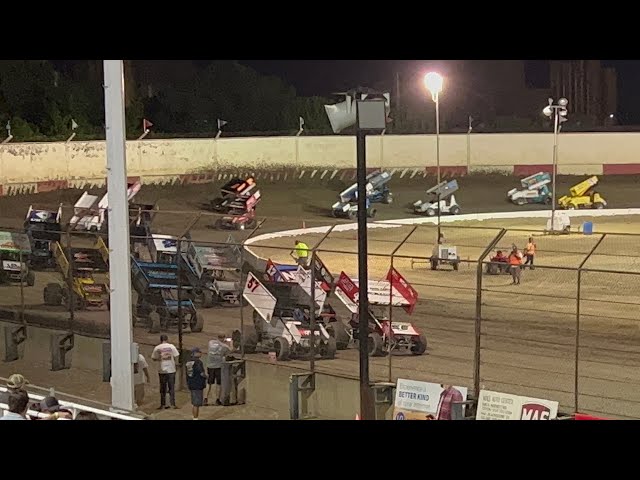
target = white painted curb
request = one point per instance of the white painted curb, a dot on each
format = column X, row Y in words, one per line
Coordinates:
column 444, row 219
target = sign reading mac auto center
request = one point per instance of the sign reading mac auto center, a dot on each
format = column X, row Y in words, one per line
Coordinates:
column 504, row 406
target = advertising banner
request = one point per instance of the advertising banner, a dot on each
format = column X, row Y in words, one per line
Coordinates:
column 425, row 401
column 504, row 406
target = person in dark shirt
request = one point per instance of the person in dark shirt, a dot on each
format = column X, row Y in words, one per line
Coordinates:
column 196, row 380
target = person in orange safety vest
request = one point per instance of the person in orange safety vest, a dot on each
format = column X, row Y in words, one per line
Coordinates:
column 530, row 252
column 515, row 265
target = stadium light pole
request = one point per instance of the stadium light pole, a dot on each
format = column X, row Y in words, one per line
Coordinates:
column 434, row 81
column 559, row 113
column 119, row 255
column 368, row 112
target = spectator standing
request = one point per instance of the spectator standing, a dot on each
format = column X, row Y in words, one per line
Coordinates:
column 51, row 406
column 449, row 395
column 87, row 416
column 18, row 402
column 140, row 376
column 14, row 383
column 217, row 351
column 196, row 381
column 166, row 353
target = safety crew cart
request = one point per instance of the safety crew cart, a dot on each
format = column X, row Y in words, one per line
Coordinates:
column 43, row 229
column 384, row 336
column 441, row 255
column 281, row 321
column 295, row 274
column 441, row 196
column 15, row 251
column 377, row 192
column 157, row 286
column 534, row 189
column 90, row 214
column 498, row 264
column 79, row 267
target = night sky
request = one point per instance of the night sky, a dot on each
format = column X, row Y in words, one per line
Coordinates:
column 322, row 77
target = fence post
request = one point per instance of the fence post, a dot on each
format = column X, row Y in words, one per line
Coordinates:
column 391, row 267
column 478, row 319
column 578, row 298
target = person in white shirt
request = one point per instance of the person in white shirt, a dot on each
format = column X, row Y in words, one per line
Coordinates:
column 166, row 353
column 140, row 375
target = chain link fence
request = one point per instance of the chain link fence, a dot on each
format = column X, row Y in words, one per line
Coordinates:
column 568, row 332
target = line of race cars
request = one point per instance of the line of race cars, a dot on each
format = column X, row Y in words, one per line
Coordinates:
column 174, row 277
column 441, row 199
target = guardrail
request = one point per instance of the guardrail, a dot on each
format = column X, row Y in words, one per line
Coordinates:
column 75, row 408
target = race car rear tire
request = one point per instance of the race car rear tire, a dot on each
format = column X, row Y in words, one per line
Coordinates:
column 372, row 213
column 154, row 322
column 376, row 345
column 547, row 201
column 31, row 278
column 207, row 298
column 339, row 331
column 598, row 205
column 328, row 350
column 430, row 212
column 281, row 347
column 420, row 346
column 455, row 210
column 52, row 294
column 248, row 339
column 196, row 323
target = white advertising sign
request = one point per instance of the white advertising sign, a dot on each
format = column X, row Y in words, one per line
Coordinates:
column 425, row 401
column 504, row 406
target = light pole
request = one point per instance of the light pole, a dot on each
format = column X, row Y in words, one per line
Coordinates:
column 433, row 81
column 559, row 113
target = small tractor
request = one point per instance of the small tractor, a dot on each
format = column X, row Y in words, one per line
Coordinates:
column 15, row 252
column 442, row 255
column 441, row 197
column 583, row 195
column 384, row 336
column 78, row 267
column 534, row 189
column 43, row 228
column 281, row 322
column 377, row 192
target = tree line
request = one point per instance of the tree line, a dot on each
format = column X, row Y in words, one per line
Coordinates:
column 42, row 100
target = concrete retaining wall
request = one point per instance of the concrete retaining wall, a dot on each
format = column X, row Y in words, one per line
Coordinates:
column 38, row 167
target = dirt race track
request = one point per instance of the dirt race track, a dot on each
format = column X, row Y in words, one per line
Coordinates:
column 528, row 342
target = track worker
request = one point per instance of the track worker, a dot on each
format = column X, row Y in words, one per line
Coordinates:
column 515, row 265
column 302, row 253
column 530, row 252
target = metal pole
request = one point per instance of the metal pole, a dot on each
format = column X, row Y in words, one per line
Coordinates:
column 179, row 283
column 22, row 279
column 478, row 322
column 312, row 315
column 367, row 410
column 438, row 138
column 72, row 295
column 119, row 251
column 469, row 145
column 438, row 242
column 577, row 354
column 555, row 166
